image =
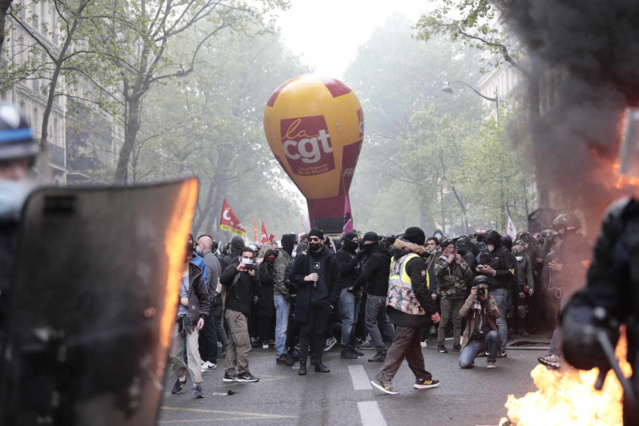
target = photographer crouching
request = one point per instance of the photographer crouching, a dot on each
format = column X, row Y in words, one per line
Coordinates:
column 481, row 312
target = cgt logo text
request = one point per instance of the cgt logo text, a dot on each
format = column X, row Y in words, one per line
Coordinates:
column 307, row 145
column 299, row 145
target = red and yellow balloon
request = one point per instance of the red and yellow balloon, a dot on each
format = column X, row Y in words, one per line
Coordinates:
column 315, row 128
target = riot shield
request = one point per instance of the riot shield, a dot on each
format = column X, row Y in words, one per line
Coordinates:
column 94, row 304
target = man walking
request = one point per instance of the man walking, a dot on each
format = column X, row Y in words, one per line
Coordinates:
column 240, row 286
column 350, row 270
column 317, row 279
column 193, row 309
column 410, row 306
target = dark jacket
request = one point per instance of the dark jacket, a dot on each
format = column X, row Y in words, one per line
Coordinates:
column 374, row 277
column 240, row 291
column 472, row 315
column 505, row 265
column 349, row 267
column 302, row 268
column 416, row 270
column 265, row 302
column 430, row 266
column 279, row 283
column 199, row 302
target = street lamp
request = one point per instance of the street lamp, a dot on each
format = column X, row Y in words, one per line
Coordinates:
column 448, row 89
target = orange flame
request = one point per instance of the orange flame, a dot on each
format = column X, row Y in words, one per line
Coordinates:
column 568, row 397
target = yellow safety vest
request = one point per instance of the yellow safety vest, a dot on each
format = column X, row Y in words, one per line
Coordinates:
column 400, row 288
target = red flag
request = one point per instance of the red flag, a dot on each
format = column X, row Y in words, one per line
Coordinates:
column 230, row 222
column 348, row 218
column 264, row 236
column 255, row 228
column 271, row 238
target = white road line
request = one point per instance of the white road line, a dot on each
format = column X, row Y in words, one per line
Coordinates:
column 371, row 414
column 359, row 377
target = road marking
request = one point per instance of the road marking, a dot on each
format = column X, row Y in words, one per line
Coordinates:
column 371, row 414
column 359, row 377
column 237, row 413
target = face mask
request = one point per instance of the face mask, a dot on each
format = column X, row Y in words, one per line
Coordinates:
column 247, row 261
column 270, row 259
column 314, row 246
column 13, row 194
column 350, row 245
column 438, row 236
column 198, row 250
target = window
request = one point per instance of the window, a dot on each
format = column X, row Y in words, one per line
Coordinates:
column 43, row 16
column 54, row 133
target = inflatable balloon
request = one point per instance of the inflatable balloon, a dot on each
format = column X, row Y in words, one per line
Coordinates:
column 315, row 128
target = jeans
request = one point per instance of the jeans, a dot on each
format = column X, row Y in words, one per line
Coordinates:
column 281, row 324
column 468, row 354
column 350, row 310
column 450, row 311
column 501, row 297
column 377, row 322
column 208, row 340
column 406, row 345
column 312, row 331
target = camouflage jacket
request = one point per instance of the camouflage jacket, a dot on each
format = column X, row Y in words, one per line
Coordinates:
column 452, row 280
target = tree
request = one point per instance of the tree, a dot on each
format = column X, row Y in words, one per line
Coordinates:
column 4, row 7
column 474, row 22
column 209, row 124
column 135, row 37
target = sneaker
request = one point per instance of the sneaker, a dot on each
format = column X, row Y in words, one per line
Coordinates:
column 210, row 365
column 356, row 352
column 366, row 346
column 426, row 384
column 379, row 357
column 290, row 360
column 386, row 389
column 229, row 379
column 502, row 354
column 247, row 378
column 551, row 361
column 330, row 343
column 179, row 385
column 280, row 359
column 482, row 354
column 424, row 344
column 456, row 348
column 199, row 394
column 346, row 354
column 442, row 349
column 265, row 346
column 491, row 364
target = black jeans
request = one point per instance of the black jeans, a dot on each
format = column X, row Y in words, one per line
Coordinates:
column 314, row 329
column 208, row 341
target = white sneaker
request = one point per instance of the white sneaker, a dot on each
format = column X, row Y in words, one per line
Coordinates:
column 204, row 369
column 210, row 365
column 424, row 344
column 265, row 346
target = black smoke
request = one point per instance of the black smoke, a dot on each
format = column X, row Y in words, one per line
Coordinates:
column 591, row 49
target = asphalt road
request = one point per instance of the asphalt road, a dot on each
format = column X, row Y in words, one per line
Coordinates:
column 345, row 397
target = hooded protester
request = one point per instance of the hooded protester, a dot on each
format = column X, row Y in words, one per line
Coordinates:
column 439, row 235
column 453, row 276
column 499, row 265
column 468, row 252
column 350, row 269
column 281, row 296
column 374, row 279
column 317, row 279
column 265, row 302
column 235, row 249
column 525, row 290
column 410, row 307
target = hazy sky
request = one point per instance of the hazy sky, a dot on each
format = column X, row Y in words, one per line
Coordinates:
column 327, row 32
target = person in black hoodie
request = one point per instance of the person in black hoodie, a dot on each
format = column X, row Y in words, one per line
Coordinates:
column 499, row 265
column 237, row 244
column 350, row 269
column 410, row 307
column 317, row 281
column 240, row 283
column 374, row 279
column 265, row 301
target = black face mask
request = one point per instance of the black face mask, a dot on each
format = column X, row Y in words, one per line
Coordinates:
column 350, row 245
column 314, row 246
column 367, row 248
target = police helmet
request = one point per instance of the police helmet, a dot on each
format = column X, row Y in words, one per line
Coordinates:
column 16, row 137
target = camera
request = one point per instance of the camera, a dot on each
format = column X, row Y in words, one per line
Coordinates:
column 481, row 291
column 250, row 267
